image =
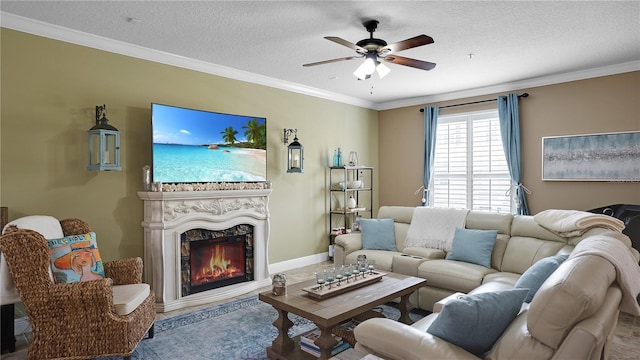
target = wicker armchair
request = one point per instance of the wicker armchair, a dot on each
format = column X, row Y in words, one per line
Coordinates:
column 76, row 320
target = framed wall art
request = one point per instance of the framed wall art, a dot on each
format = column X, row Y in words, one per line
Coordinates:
column 592, row 157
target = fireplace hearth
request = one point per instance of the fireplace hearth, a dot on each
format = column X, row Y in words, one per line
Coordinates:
column 205, row 246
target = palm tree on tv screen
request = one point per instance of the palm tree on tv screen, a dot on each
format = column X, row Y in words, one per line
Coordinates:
column 256, row 133
column 229, row 135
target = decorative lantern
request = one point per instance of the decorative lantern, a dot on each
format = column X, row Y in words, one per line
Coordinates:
column 104, row 143
column 295, row 152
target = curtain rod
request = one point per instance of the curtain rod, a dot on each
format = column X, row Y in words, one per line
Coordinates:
column 524, row 95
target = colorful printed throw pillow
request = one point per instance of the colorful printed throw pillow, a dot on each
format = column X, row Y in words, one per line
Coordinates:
column 75, row 258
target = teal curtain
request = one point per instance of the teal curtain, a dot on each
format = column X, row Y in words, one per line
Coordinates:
column 510, row 129
column 430, row 126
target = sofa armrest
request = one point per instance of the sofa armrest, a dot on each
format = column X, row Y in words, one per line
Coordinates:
column 393, row 340
column 345, row 244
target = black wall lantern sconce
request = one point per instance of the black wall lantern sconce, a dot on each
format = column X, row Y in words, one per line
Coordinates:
column 104, row 143
column 295, row 152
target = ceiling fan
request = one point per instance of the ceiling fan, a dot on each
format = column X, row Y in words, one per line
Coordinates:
column 373, row 49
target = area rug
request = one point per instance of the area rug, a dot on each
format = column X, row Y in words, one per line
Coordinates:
column 240, row 329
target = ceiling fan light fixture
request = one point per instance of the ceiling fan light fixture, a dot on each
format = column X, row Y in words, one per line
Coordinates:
column 367, row 68
column 373, row 50
column 382, row 70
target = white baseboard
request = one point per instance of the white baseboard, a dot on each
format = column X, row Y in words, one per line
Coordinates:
column 21, row 325
column 298, row 263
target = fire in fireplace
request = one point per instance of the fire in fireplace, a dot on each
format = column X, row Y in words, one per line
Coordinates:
column 211, row 259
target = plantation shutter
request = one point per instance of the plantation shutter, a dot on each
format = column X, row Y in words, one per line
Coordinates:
column 470, row 167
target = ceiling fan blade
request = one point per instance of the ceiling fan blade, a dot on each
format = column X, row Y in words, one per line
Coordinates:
column 332, row 60
column 346, row 43
column 401, row 60
column 406, row 44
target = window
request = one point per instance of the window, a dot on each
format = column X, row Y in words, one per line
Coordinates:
column 470, row 169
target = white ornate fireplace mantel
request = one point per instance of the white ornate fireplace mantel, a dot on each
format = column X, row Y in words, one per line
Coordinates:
column 169, row 214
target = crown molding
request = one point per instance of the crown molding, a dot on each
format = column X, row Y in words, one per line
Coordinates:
column 515, row 85
column 55, row 32
column 34, row 27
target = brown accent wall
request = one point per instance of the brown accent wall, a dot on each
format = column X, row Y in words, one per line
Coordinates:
column 598, row 105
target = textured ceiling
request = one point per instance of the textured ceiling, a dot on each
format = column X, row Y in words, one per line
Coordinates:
column 511, row 41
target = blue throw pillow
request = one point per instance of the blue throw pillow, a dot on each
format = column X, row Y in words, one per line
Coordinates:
column 475, row 322
column 536, row 275
column 378, row 234
column 473, row 246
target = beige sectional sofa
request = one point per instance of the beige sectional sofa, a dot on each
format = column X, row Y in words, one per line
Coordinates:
column 572, row 315
column 520, row 243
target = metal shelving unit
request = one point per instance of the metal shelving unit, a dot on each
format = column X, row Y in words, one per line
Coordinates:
column 340, row 215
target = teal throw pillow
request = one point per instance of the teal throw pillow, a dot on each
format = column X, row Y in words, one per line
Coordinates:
column 473, row 246
column 475, row 322
column 378, row 234
column 536, row 275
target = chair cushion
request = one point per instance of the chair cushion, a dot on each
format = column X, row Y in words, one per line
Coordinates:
column 473, row 246
column 75, row 258
column 378, row 234
column 127, row 298
column 533, row 278
column 475, row 322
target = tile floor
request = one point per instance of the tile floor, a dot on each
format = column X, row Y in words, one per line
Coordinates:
column 626, row 342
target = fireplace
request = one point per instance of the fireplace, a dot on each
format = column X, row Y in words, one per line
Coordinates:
column 212, row 259
column 228, row 230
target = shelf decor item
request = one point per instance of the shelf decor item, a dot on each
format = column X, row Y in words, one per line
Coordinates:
column 351, row 203
column 353, row 158
column 279, row 284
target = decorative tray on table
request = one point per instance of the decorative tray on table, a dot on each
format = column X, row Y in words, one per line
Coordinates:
column 325, row 291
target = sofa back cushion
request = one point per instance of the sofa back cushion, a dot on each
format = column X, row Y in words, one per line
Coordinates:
column 528, row 244
column 400, row 214
column 575, row 291
column 402, row 219
column 483, row 220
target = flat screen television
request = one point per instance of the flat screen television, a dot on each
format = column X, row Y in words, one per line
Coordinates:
column 196, row 146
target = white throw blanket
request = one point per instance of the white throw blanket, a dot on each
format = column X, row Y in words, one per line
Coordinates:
column 434, row 227
column 571, row 223
column 616, row 248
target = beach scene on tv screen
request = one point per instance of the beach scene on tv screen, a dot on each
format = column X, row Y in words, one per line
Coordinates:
column 199, row 146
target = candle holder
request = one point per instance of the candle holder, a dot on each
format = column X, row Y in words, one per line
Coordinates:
column 279, row 284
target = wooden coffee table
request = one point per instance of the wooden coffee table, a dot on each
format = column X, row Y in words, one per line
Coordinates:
column 328, row 313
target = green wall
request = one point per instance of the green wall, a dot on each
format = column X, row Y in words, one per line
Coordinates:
column 49, row 90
